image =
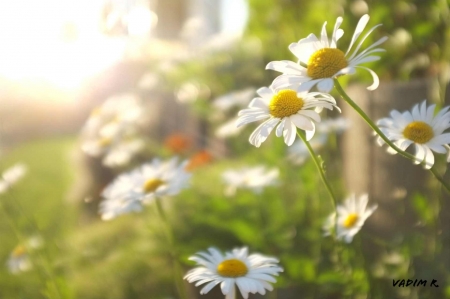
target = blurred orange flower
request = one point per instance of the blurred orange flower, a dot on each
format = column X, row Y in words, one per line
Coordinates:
column 199, row 159
column 178, row 143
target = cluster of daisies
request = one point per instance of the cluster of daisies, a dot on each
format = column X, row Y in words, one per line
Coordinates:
column 112, row 130
column 285, row 106
column 289, row 103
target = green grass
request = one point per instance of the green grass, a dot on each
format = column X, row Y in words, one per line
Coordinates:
column 36, row 205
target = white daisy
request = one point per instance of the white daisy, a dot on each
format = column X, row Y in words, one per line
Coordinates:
column 350, row 217
column 421, row 128
column 253, row 178
column 11, row 176
column 287, row 109
column 320, row 61
column 250, row 273
column 142, row 185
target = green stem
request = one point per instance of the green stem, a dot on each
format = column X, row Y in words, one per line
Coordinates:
column 179, row 283
column 318, row 163
column 381, row 134
column 319, row 166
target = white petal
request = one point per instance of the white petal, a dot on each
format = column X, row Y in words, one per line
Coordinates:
column 376, row 81
column 324, row 36
column 306, row 47
column 307, row 85
column 279, row 130
column 209, row 286
column 337, row 33
column 429, row 157
column 325, row 85
column 285, row 67
column 359, row 28
column 289, row 132
column 227, row 285
column 420, row 154
column 381, row 40
column 265, row 92
column 258, row 103
column 288, row 81
column 301, row 122
column 262, row 132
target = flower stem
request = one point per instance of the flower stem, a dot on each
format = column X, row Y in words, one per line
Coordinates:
column 179, row 283
column 320, row 168
column 381, row 134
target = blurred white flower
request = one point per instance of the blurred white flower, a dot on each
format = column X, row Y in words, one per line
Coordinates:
column 253, row 178
column 112, row 207
column 148, row 81
column 298, row 152
column 191, row 91
column 249, row 273
column 122, row 152
column 112, row 130
column 116, row 110
column 11, row 176
column 220, row 42
column 188, row 92
column 19, row 260
column 228, row 129
column 333, row 125
column 350, row 217
column 143, row 185
column 239, row 98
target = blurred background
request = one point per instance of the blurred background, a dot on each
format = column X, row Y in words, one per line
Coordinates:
column 187, row 67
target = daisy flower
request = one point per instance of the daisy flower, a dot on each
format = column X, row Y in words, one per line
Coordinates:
column 350, row 217
column 250, row 273
column 320, row 61
column 421, row 128
column 253, row 178
column 143, row 185
column 287, row 109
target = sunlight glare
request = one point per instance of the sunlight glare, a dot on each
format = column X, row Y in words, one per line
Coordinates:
column 55, row 41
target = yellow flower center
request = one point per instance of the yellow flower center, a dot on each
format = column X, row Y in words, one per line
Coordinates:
column 104, row 141
column 419, row 132
column 152, row 184
column 285, row 103
column 350, row 221
column 19, row 251
column 232, row 268
column 326, row 62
